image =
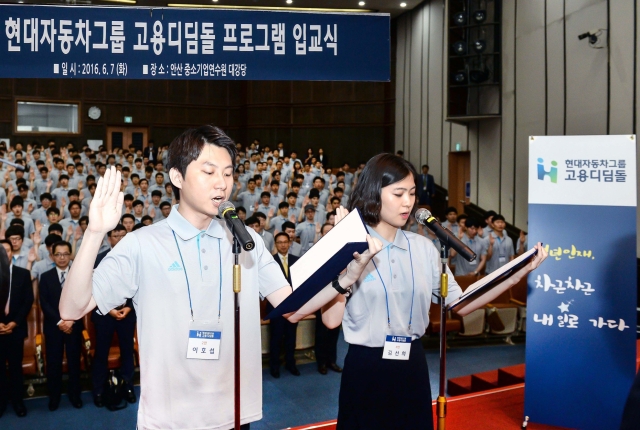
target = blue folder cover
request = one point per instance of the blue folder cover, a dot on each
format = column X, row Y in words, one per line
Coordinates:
column 320, row 279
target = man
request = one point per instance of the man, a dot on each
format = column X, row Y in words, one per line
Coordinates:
column 323, row 194
column 16, row 299
column 451, row 223
column 17, row 211
column 294, row 247
column 326, row 347
column 279, row 327
column 249, row 197
column 181, row 259
column 44, row 264
column 165, row 210
column 71, row 224
column 121, row 320
column 150, row 151
column 275, row 224
column 20, row 254
column 60, row 193
column 426, row 187
column 60, row 335
column 128, row 221
column 257, row 223
column 500, row 249
column 477, row 245
column 40, row 214
column 488, row 219
column 308, row 230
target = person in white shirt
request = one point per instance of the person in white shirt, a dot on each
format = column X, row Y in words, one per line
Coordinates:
column 162, row 265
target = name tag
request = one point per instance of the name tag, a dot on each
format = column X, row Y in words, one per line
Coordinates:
column 474, row 262
column 204, row 341
column 502, row 259
column 396, row 347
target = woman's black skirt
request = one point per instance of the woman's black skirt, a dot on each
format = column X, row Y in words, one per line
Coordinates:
column 385, row 394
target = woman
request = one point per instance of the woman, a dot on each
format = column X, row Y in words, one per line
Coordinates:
column 310, row 155
column 391, row 298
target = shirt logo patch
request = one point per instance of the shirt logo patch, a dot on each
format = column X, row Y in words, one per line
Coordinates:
column 175, row 267
column 369, row 278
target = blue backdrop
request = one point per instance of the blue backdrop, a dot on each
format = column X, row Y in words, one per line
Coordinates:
column 167, row 43
column 581, row 319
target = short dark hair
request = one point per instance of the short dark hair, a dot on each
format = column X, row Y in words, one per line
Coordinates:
column 251, row 220
column 46, row 196
column 60, row 243
column 164, row 204
column 490, row 214
column 16, row 221
column 16, row 201
column 118, row 227
column 265, row 193
column 461, row 217
column 74, row 203
column 259, row 214
column 472, row 222
column 451, row 209
column 187, row 147
column 14, row 230
column 379, row 172
column 283, row 205
column 55, row 227
column 281, row 234
column 241, row 209
column 313, row 192
column 122, row 218
column 156, row 193
column 498, row 218
column 51, row 239
column 288, row 224
column 136, row 203
column 72, row 193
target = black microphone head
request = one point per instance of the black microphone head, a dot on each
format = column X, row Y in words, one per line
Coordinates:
column 422, row 214
column 225, row 207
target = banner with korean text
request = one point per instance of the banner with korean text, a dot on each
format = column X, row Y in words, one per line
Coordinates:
column 175, row 43
column 581, row 306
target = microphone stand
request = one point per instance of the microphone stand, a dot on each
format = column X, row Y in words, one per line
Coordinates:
column 236, row 329
column 441, row 404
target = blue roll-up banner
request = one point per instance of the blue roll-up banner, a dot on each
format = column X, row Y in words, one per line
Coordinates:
column 581, row 307
column 174, row 43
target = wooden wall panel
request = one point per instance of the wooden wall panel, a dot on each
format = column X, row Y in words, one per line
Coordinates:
column 508, row 123
column 436, row 80
column 555, row 68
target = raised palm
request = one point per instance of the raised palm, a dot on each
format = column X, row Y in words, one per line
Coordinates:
column 106, row 206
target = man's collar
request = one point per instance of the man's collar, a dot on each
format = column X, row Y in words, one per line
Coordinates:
column 400, row 240
column 187, row 231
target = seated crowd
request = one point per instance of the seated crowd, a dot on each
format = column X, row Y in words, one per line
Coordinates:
column 290, row 201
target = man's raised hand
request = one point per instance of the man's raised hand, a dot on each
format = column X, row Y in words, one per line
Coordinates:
column 106, row 206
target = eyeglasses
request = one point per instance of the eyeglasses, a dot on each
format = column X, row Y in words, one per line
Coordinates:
column 61, row 255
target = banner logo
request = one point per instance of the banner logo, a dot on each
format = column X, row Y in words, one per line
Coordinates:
column 552, row 173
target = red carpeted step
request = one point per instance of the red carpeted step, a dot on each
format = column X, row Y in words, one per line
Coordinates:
column 459, row 386
column 484, row 381
column 511, row 375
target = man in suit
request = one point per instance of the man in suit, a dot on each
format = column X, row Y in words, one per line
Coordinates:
column 426, row 187
column 16, row 299
column 121, row 320
column 60, row 335
column 279, row 326
column 150, row 152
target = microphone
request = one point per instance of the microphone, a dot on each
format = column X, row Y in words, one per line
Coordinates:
column 227, row 211
column 445, row 236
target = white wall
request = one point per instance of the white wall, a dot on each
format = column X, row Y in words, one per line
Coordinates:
column 552, row 84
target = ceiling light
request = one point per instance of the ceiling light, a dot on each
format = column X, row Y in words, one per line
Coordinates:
column 289, row 1
column 403, row 5
column 215, row 1
column 361, row 3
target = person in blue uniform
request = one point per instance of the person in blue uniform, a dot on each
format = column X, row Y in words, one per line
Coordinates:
column 385, row 382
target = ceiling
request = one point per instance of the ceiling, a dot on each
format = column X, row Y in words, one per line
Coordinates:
column 391, row 7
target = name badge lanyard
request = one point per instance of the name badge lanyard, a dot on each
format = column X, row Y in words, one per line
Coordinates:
column 413, row 288
column 187, row 277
